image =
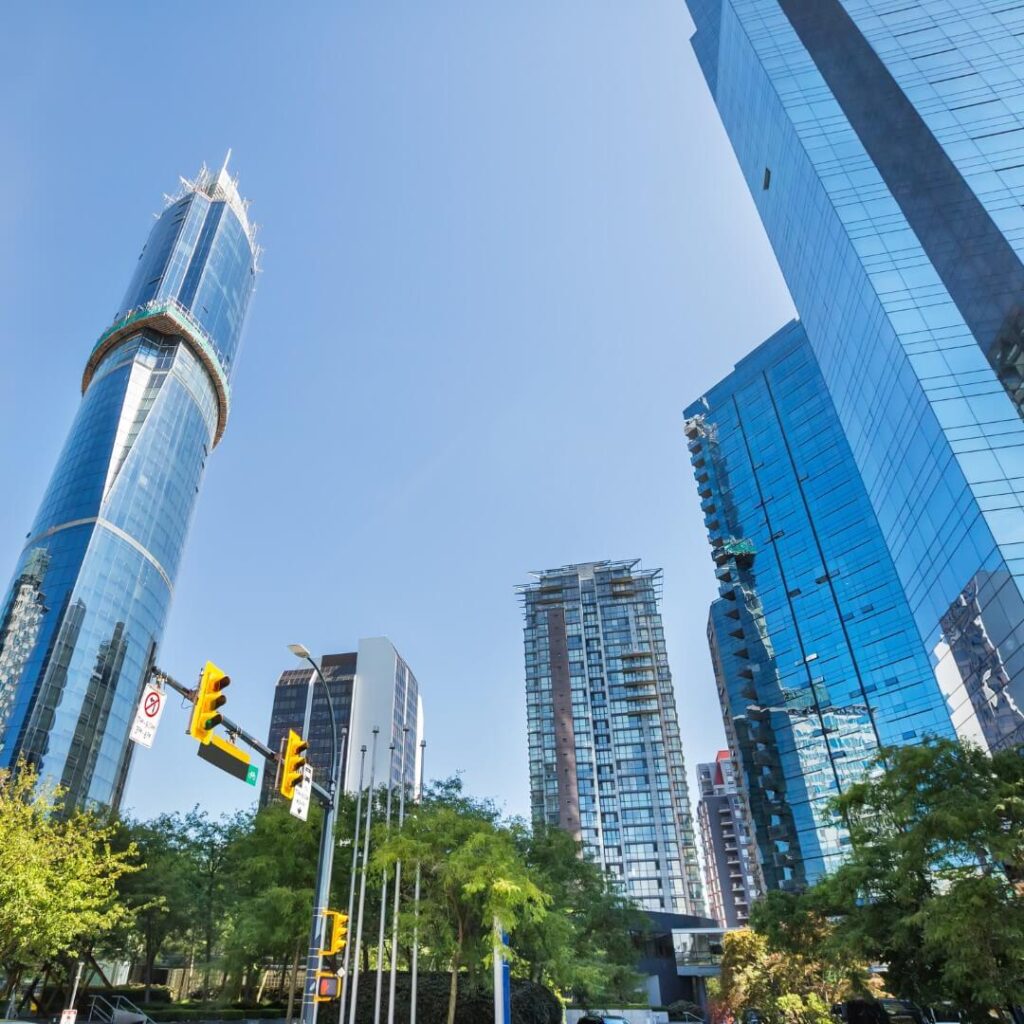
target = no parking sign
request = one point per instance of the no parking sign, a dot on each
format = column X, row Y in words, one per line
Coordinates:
column 147, row 718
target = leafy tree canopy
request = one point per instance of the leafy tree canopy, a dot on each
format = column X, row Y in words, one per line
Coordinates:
column 59, row 874
column 930, row 886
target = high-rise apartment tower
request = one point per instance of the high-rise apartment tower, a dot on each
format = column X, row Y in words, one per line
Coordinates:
column 730, row 854
column 883, row 143
column 606, row 760
column 83, row 617
column 372, row 688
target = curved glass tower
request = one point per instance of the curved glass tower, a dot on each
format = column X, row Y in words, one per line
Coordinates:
column 81, row 622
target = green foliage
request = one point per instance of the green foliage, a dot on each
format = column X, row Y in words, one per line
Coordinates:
column 272, row 866
column 228, row 900
column 177, row 1013
column 531, row 1003
column 682, row 1009
column 788, row 986
column 583, row 943
column 937, row 835
column 157, row 893
column 158, row 994
column 473, row 874
column 58, row 874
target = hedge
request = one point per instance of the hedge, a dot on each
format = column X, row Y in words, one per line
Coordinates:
column 531, row 1003
column 133, row 993
column 181, row 1013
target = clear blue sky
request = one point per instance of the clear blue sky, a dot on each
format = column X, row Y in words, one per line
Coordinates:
column 506, row 244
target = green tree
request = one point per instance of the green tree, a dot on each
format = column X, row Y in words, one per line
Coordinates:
column 58, row 875
column 583, row 944
column 158, row 893
column 473, row 874
column 207, row 842
column 272, row 865
column 937, row 839
column 787, row 988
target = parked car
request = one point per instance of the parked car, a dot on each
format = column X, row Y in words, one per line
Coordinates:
column 599, row 1019
column 943, row 1013
column 879, row 1011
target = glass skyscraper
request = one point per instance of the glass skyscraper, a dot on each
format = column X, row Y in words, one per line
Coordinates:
column 883, row 143
column 83, row 617
column 816, row 655
column 606, row 760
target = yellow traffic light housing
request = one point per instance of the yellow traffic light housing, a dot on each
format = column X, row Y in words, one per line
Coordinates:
column 328, row 987
column 294, row 762
column 210, row 698
column 335, row 925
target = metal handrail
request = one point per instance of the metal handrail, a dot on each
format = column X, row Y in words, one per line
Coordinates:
column 145, row 308
column 190, row 329
column 109, row 1009
column 107, row 1013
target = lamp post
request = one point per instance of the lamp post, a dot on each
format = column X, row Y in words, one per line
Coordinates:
column 352, row 881
column 325, row 862
column 398, row 889
column 416, row 906
column 383, row 895
column 362, row 883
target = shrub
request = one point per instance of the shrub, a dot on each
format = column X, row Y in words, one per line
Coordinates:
column 531, row 1003
column 133, row 993
column 173, row 1014
column 681, row 1008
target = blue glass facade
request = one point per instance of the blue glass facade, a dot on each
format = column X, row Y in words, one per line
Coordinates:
column 816, row 654
column 883, row 143
column 83, row 617
column 606, row 760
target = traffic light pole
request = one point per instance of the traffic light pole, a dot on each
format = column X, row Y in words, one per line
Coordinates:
column 325, row 860
column 321, row 900
column 234, row 729
column 329, row 799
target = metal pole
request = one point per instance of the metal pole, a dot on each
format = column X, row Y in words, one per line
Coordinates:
column 74, row 988
column 233, row 728
column 308, row 716
column 499, row 998
column 398, row 889
column 352, row 881
column 362, row 880
column 325, row 864
column 383, row 895
column 416, row 907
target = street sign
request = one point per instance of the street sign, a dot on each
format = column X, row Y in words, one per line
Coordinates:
column 300, row 798
column 69, row 1016
column 229, row 758
column 147, row 718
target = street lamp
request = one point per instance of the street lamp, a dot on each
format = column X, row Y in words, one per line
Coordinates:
column 325, row 861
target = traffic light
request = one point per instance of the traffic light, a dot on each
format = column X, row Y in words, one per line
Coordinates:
column 336, row 925
column 209, row 698
column 328, row 987
column 294, row 762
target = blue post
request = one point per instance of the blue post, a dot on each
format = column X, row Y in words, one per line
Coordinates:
column 506, row 984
